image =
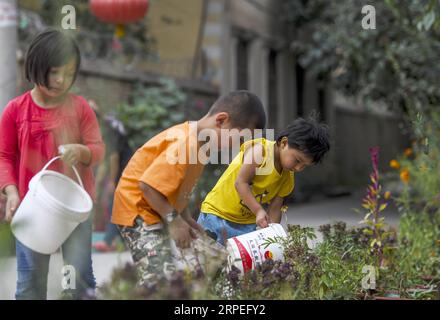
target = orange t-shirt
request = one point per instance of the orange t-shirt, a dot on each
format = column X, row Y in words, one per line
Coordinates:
column 167, row 164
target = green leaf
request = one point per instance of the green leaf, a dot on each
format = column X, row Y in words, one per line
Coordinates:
column 368, row 215
column 378, row 225
column 428, row 20
column 321, row 292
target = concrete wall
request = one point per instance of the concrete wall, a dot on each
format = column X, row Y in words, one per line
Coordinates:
column 109, row 88
column 255, row 22
column 357, row 131
column 175, row 25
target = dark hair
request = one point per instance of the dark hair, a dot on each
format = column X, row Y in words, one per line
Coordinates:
column 50, row 49
column 308, row 136
column 244, row 108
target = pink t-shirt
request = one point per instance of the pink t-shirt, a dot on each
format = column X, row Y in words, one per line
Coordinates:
column 30, row 136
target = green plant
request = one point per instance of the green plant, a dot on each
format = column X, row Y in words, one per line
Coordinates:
column 422, row 164
column 376, row 226
column 419, row 251
column 7, row 244
column 390, row 64
column 331, row 270
column 123, row 286
column 153, row 109
column 343, row 254
column 419, row 203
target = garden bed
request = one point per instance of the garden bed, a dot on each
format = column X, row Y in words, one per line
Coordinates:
column 372, row 261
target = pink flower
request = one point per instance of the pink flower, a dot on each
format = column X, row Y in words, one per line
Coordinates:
column 374, row 152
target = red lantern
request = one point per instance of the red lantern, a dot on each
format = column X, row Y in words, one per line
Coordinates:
column 119, row 11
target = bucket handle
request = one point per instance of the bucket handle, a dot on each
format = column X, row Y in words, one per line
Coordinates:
column 73, row 167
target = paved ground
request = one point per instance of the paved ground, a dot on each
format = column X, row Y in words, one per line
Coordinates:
column 103, row 263
column 321, row 211
column 313, row 213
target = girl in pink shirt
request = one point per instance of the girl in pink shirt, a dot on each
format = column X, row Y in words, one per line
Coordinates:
column 32, row 128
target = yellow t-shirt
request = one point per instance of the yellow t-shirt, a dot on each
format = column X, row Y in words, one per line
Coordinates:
column 224, row 200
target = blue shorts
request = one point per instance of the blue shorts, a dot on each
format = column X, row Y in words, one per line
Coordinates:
column 221, row 229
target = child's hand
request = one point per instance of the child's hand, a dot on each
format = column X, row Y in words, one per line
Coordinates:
column 181, row 232
column 12, row 202
column 71, row 154
column 263, row 218
column 186, row 215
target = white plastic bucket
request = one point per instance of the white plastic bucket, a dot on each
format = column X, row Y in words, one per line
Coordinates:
column 248, row 250
column 205, row 254
column 52, row 208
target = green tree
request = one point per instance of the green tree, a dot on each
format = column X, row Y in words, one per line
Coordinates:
column 394, row 64
column 153, row 109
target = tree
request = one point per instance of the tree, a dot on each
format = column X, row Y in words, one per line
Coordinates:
column 394, row 63
column 8, row 39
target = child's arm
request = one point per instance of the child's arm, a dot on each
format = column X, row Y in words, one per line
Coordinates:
column 76, row 153
column 91, row 149
column 252, row 158
column 12, row 201
column 179, row 230
column 8, row 159
column 275, row 209
column 186, row 215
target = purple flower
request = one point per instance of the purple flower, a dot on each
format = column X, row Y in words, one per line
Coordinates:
column 374, row 152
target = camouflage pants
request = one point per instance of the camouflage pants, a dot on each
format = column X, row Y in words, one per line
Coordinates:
column 151, row 251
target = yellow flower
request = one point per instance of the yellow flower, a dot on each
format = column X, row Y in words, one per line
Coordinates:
column 120, row 31
column 387, row 195
column 404, row 175
column 408, row 152
column 394, row 164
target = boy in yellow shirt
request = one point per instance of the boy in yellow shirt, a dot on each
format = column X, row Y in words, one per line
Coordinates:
column 154, row 189
column 261, row 174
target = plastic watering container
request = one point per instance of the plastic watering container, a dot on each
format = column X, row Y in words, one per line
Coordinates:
column 52, row 208
column 205, row 254
column 249, row 250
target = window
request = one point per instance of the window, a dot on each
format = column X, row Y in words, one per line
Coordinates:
column 242, row 64
column 300, row 78
column 321, row 98
column 273, row 107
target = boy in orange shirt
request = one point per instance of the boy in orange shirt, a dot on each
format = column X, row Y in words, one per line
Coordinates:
column 153, row 192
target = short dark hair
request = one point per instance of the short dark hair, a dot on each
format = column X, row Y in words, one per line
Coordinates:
column 308, row 136
column 244, row 108
column 50, row 49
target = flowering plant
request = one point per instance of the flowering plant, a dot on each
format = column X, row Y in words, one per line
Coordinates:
column 373, row 203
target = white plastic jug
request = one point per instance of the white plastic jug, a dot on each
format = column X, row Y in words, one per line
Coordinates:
column 248, row 250
column 204, row 254
column 52, row 208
